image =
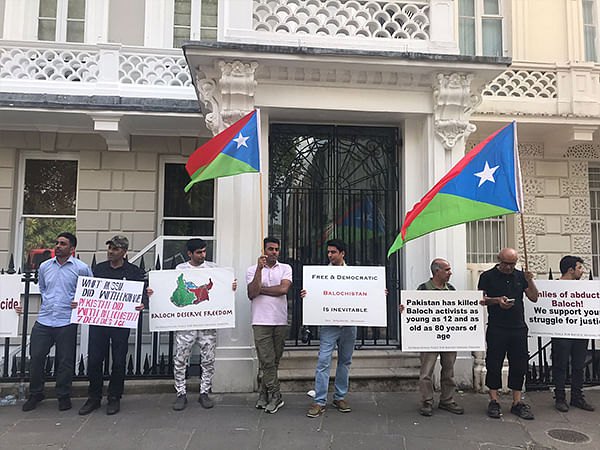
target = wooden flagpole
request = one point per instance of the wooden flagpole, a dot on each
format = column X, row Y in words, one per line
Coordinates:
column 262, row 219
column 524, row 243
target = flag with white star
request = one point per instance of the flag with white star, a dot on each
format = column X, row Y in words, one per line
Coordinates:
column 233, row 151
column 485, row 183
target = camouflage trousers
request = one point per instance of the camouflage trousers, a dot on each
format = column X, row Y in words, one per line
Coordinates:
column 185, row 340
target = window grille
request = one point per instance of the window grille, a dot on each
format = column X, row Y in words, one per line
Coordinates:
column 485, row 238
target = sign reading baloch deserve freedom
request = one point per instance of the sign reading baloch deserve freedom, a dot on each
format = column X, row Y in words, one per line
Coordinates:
column 442, row 321
column 192, row 299
column 344, row 295
column 107, row 302
column 565, row 308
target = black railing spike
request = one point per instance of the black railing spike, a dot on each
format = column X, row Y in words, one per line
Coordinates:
column 14, row 366
column 157, row 266
column 28, row 265
column 78, row 256
column 2, row 271
column 81, row 368
column 19, row 271
column 130, row 365
column 161, row 364
column 591, row 275
column 550, row 274
column 146, row 365
column 11, row 265
column 93, row 262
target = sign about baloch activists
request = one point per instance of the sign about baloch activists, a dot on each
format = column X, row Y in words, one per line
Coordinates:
column 344, row 295
column 444, row 321
column 565, row 308
column 10, row 294
column 107, row 302
column 192, row 299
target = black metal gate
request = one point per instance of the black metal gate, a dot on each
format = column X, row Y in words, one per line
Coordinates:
column 335, row 182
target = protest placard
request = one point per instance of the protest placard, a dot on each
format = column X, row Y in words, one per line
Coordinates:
column 10, row 295
column 192, row 299
column 442, row 321
column 565, row 308
column 344, row 295
column 107, row 302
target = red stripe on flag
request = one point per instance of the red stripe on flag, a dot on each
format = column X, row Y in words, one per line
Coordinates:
column 205, row 154
column 419, row 207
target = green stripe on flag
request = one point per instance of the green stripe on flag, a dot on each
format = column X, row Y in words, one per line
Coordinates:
column 222, row 166
column 446, row 210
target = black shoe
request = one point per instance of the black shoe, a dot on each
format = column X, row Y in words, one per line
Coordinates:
column 494, row 410
column 64, row 403
column 180, row 402
column 90, row 405
column 33, row 401
column 522, row 410
column 205, row 401
column 114, row 406
column 561, row 405
column 582, row 404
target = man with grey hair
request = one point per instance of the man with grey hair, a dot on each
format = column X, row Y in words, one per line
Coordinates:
column 441, row 272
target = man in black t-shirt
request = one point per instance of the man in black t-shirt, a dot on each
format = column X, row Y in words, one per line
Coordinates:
column 116, row 268
column 503, row 287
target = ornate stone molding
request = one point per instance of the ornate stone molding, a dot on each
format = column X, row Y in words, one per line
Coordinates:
column 228, row 96
column 453, row 104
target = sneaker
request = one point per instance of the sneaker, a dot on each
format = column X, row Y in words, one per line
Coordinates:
column 274, row 404
column 494, row 409
column 114, row 406
column 33, row 401
column 64, row 403
column 206, row 401
column 426, row 410
column 342, row 405
column 452, row 407
column 561, row 405
column 263, row 400
column 180, row 402
column 582, row 404
column 315, row 410
column 522, row 410
column 90, row 405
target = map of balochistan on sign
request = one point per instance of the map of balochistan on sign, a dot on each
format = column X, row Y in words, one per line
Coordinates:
column 192, row 299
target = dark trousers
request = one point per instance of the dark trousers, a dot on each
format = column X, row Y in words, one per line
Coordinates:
column 42, row 340
column 269, row 342
column 100, row 337
column 562, row 349
column 501, row 343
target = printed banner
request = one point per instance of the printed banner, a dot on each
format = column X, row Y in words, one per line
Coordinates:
column 344, row 295
column 442, row 321
column 192, row 299
column 565, row 308
column 10, row 295
column 107, row 302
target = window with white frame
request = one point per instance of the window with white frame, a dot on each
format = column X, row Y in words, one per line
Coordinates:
column 589, row 29
column 485, row 239
column 480, row 27
column 61, row 20
column 190, row 214
column 594, row 185
column 48, row 206
column 194, row 19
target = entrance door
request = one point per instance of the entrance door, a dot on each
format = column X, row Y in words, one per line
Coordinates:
column 330, row 182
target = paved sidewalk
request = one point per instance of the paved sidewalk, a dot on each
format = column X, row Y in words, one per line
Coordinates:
column 378, row 421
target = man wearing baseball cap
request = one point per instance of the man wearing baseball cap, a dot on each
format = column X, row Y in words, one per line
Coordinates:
column 117, row 268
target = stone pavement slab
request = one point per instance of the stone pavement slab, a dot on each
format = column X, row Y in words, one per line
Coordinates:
column 378, row 421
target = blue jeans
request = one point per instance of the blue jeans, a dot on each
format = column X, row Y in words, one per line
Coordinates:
column 345, row 338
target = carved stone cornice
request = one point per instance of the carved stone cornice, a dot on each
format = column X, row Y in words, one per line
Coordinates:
column 453, row 104
column 229, row 95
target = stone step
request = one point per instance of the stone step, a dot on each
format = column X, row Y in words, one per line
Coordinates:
column 367, row 359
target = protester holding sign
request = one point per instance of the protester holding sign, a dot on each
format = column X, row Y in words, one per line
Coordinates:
column 571, row 268
column 115, row 268
column 268, row 283
column 503, row 288
column 441, row 271
column 344, row 337
column 57, row 279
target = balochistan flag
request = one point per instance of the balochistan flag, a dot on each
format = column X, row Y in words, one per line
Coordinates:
column 233, row 151
column 485, row 183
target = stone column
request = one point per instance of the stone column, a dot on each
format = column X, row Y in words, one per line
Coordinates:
column 226, row 93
